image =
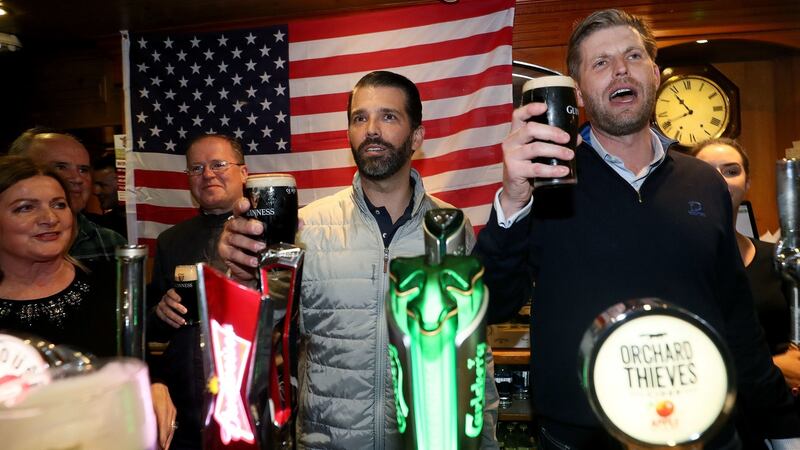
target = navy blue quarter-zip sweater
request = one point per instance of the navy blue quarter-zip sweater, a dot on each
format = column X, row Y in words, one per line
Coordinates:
column 600, row 242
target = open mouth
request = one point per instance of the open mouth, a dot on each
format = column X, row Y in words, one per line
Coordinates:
column 373, row 146
column 374, row 149
column 622, row 95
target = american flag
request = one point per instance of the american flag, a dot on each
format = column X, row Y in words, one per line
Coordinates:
column 282, row 91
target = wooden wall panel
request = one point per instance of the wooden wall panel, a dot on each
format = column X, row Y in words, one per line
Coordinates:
column 77, row 90
column 551, row 57
column 549, row 22
column 758, row 93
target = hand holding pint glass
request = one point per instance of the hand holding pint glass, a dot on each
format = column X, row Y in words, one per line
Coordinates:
column 558, row 92
column 185, row 285
column 273, row 201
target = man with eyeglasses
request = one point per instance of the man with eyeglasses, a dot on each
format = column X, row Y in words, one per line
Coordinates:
column 93, row 244
column 217, row 174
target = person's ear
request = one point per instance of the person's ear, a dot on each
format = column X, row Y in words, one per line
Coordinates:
column 418, row 136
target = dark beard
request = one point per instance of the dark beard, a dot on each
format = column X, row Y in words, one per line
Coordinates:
column 616, row 126
column 383, row 167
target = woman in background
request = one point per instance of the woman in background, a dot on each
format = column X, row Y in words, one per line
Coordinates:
column 42, row 290
column 730, row 159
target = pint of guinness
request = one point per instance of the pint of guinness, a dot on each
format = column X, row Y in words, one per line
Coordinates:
column 558, row 92
column 273, row 201
column 185, row 286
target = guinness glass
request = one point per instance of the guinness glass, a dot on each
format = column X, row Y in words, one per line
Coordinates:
column 273, row 201
column 562, row 112
column 185, row 285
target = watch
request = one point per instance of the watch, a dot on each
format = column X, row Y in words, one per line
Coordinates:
column 694, row 104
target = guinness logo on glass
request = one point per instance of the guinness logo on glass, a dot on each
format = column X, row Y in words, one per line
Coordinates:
column 254, row 195
column 273, row 200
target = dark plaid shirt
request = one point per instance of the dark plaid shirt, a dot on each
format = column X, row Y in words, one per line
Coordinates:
column 94, row 243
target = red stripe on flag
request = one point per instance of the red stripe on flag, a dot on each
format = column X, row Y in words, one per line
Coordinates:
column 431, row 90
column 164, row 214
column 390, row 19
column 468, row 158
column 476, row 118
column 324, row 178
column 161, row 179
column 468, row 197
column 324, row 140
column 406, row 56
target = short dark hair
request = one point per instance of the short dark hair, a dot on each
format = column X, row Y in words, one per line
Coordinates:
column 600, row 20
column 235, row 145
column 733, row 143
column 383, row 78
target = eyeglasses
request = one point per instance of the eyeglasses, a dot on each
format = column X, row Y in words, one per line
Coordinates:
column 216, row 166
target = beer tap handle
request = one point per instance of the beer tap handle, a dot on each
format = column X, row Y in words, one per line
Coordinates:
column 444, row 234
column 130, row 300
column 272, row 394
column 794, row 309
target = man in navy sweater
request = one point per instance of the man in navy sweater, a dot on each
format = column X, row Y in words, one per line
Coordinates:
column 643, row 221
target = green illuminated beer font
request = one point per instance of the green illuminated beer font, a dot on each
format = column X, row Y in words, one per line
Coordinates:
column 436, row 314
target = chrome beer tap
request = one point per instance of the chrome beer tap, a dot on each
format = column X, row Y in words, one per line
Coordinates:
column 130, row 300
column 787, row 252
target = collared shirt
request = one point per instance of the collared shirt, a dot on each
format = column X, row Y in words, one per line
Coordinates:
column 634, row 179
column 381, row 215
column 93, row 242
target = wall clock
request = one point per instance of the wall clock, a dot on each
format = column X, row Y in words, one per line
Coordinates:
column 696, row 103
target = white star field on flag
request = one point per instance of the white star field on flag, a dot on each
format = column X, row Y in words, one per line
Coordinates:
column 233, row 83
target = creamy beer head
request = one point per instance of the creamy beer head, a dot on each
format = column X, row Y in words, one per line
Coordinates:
column 185, row 273
column 558, row 92
column 271, row 179
column 554, row 80
column 273, row 201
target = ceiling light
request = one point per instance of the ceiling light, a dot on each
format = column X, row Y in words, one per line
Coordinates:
column 702, row 41
column 3, row 12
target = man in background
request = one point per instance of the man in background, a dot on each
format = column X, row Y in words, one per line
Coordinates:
column 217, row 174
column 104, row 187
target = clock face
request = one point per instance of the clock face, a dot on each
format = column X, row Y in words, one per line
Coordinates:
column 691, row 109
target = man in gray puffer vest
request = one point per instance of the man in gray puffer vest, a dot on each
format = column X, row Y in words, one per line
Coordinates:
column 346, row 399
